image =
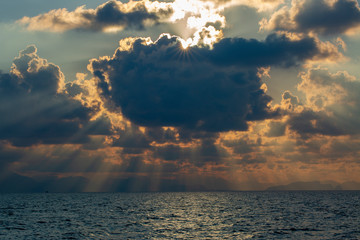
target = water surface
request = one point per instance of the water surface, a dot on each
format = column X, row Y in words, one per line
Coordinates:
column 203, row 215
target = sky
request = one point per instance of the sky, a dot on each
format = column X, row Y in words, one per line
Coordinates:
column 179, row 95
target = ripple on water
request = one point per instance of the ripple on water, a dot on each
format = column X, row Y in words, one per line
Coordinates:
column 236, row 215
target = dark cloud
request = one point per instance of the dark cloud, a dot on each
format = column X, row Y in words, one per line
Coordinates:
column 240, row 146
column 110, row 16
column 161, row 135
column 275, row 50
column 172, row 153
column 131, row 137
column 8, row 156
column 133, row 140
column 216, row 89
column 166, row 144
column 198, row 153
column 309, row 122
column 100, row 126
column 318, row 16
column 33, row 108
column 206, row 152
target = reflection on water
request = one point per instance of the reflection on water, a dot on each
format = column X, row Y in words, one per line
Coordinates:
column 218, row 215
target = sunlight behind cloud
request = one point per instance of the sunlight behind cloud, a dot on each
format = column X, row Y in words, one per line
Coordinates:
column 200, row 13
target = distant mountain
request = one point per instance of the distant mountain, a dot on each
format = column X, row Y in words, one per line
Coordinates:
column 15, row 183
column 350, row 186
column 310, row 186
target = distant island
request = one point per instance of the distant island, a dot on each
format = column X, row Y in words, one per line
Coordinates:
column 316, row 186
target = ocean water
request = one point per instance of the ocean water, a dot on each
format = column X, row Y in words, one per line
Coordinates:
column 202, row 215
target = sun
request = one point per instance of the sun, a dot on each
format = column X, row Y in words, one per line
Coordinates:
column 197, row 13
column 185, row 44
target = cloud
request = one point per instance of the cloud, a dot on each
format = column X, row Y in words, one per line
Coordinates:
column 276, row 129
column 240, row 146
column 8, row 155
column 331, row 104
column 324, row 17
column 260, row 5
column 159, row 85
column 172, row 153
column 131, row 137
column 212, row 89
column 289, row 101
column 110, row 16
column 276, row 50
column 35, row 109
column 114, row 16
column 309, row 123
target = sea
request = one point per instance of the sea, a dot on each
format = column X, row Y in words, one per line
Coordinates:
column 181, row 215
